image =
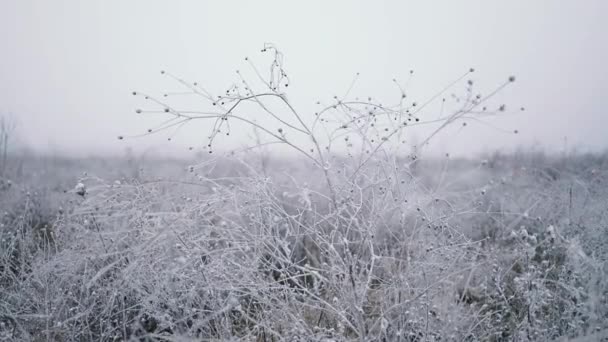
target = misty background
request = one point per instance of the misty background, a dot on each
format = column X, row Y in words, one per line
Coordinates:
column 67, row 68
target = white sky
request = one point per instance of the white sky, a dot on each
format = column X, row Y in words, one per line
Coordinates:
column 67, row 67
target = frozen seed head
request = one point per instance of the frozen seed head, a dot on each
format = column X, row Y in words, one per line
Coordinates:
column 80, row 189
column 511, row 78
column 515, row 131
column 280, row 130
column 138, row 111
column 166, row 110
column 134, row 93
column 120, row 137
column 162, row 72
column 471, row 69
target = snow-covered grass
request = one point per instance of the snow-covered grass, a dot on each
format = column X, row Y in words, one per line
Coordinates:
column 246, row 256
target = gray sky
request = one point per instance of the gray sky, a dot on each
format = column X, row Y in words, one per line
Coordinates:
column 67, row 67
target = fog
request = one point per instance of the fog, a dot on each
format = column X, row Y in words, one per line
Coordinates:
column 399, row 171
column 68, row 67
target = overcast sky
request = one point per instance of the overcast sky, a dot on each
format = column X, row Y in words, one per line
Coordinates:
column 67, row 68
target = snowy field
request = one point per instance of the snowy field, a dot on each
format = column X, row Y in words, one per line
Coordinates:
column 508, row 247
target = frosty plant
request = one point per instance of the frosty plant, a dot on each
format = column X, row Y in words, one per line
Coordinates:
column 361, row 129
column 7, row 128
column 353, row 252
